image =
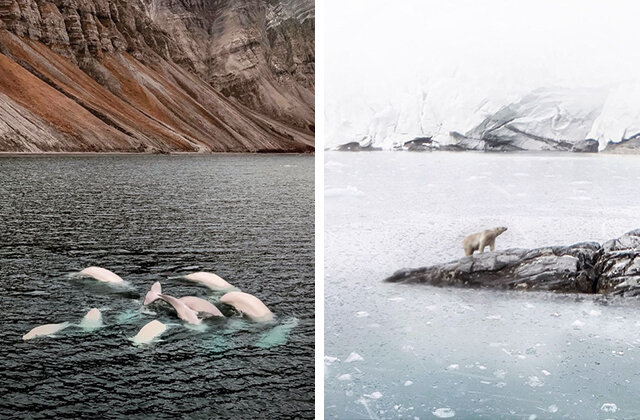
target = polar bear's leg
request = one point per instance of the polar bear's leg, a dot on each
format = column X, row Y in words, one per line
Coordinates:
column 481, row 246
column 468, row 250
column 492, row 245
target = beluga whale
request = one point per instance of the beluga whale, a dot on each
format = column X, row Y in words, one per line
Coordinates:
column 212, row 281
column 249, row 305
column 184, row 312
column 150, row 331
column 45, row 330
column 101, row 274
column 92, row 320
column 194, row 303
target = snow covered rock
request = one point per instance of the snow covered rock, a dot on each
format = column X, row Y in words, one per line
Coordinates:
column 545, row 119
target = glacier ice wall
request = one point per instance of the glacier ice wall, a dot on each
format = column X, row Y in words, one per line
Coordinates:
column 552, row 118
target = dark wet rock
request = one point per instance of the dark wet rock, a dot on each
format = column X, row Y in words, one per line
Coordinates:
column 421, row 144
column 588, row 267
column 586, row 146
column 628, row 145
column 364, row 145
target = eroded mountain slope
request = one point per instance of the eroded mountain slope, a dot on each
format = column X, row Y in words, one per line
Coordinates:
column 101, row 75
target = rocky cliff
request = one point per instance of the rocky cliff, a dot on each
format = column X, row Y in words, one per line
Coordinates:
column 160, row 76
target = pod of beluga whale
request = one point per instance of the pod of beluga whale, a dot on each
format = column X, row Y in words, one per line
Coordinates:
column 187, row 308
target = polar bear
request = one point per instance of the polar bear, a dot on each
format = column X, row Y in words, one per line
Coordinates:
column 478, row 241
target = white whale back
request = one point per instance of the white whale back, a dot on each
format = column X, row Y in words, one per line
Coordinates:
column 248, row 305
column 101, row 274
column 44, row 330
column 149, row 332
column 184, row 312
column 200, row 305
column 212, row 281
column 92, row 320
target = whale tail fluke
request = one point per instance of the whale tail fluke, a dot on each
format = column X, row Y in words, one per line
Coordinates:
column 153, row 294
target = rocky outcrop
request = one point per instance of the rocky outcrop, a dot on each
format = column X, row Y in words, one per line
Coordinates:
column 630, row 145
column 586, row 146
column 612, row 268
column 420, row 144
column 106, row 75
column 354, row 146
column 365, row 144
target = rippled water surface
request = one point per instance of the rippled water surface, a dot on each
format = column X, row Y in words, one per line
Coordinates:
column 415, row 351
column 154, row 218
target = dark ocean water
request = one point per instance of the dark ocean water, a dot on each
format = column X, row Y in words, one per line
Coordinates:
column 248, row 218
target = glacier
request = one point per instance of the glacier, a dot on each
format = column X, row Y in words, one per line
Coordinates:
column 549, row 118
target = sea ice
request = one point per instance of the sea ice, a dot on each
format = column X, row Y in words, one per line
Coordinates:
column 353, row 357
column 374, row 395
column 609, row 408
column 443, row 413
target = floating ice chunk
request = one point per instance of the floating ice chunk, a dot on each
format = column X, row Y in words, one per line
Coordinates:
column 546, row 372
column 552, row 408
column 494, row 317
column 609, row 408
column 408, row 383
column 454, row 366
column 362, row 314
column 345, row 377
column 534, row 381
column 353, row 357
column 500, row 373
column 396, row 299
column 577, row 324
column 595, row 312
column 374, row 395
column 443, row 413
column 532, row 417
column 328, row 360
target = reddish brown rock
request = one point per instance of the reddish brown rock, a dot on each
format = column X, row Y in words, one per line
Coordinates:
column 109, row 75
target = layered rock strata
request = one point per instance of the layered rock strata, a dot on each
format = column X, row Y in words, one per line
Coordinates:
column 104, row 75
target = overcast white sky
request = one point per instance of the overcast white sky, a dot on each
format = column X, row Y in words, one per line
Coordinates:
column 377, row 48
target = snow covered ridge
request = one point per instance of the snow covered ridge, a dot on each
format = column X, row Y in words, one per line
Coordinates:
column 557, row 119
